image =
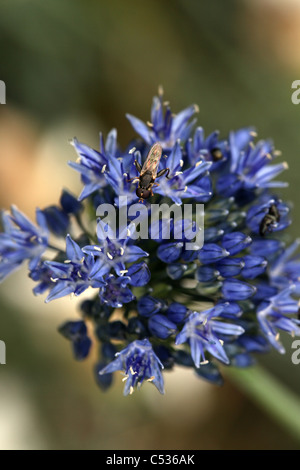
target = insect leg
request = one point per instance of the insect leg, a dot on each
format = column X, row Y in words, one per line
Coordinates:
column 138, row 166
column 163, row 172
column 131, row 179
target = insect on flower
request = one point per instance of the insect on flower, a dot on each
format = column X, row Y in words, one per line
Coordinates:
column 148, row 173
column 271, row 218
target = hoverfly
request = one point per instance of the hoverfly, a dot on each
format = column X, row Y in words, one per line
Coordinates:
column 148, row 172
column 272, row 217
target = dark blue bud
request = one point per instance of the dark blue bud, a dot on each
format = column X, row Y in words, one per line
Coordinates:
column 244, row 197
column 161, row 326
column 211, row 253
column 57, row 220
column 69, row 203
column 228, row 185
column 206, row 274
column 266, row 247
column 136, row 327
column 81, row 347
column 231, row 348
column 86, row 307
column 254, row 266
column 102, row 198
column 213, row 234
column 215, row 215
column 165, row 356
column 233, row 289
column 139, row 274
column 108, row 350
column 231, row 310
column 101, row 332
column 242, row 360
column 148, row 306
column 230, row 267
column 176, row 312
column 73, row 330
column 104, row 381
column 247, row 325
column 176, row 270
column 211, row 373
column 170, row 252
column 189, row 255
column 264, row 291
column 160, row 229
column 257, row 344
column 116, row 329
column 40, row 288
column 183, row 358
column 185, row 229
column 82, row 240
column 235, row 242
column 95, row 310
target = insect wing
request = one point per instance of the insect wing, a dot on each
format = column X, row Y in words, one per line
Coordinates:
column 152, row 160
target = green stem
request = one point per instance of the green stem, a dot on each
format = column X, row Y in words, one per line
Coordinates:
column 273, row 396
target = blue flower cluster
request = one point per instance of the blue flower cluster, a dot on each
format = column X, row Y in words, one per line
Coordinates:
column 155, row 303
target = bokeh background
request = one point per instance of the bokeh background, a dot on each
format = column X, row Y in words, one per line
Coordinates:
column 73, row 68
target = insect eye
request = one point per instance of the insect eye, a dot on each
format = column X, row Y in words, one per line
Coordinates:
column 139, row 192
column 146, row 193
column 143, row 193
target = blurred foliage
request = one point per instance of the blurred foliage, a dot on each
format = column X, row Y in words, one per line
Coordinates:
column 65, row 59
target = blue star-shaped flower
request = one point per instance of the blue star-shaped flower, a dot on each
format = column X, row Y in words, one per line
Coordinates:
column 164, row 126
column 76, row 274
column 249, row 168
column 139, row 362
column 202, row 330
column 21, row 240
column 115, row 250
column 274, row 314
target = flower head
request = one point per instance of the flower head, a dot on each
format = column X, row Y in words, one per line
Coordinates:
column 158, row 299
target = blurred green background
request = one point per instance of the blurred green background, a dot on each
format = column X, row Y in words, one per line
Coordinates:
column 73, row 68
